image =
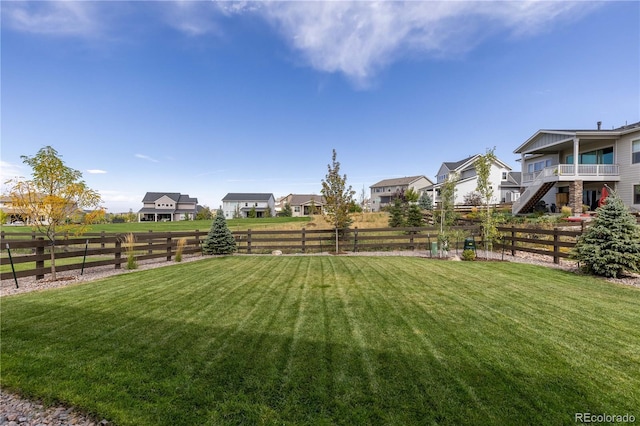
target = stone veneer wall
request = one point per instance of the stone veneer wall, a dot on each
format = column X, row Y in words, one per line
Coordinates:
column 575, row 197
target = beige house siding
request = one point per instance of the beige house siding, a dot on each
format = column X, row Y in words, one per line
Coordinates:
column 629, row 173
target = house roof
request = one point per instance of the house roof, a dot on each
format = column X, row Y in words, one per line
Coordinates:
column 300, row 199
column 462, row 164
column 150, row 197
column 454, row 165
column 241, row 196
column 513, row 179
column 408, row 180
column 557, row 138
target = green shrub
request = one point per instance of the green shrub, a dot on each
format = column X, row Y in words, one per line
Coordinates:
column 468, row 255
column 129, row 244
column 611, row 245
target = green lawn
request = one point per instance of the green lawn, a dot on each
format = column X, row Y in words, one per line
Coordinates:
column 183, row 225
column 330, row 340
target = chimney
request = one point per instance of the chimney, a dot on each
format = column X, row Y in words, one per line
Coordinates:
column 599, row 124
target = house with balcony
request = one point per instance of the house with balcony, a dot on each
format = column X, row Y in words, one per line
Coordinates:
column 571, row 167
column 383, row 192
column 167, row 207
column 504, row 182
column 240, row 205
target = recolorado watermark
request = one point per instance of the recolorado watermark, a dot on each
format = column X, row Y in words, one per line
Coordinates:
column 604, row 418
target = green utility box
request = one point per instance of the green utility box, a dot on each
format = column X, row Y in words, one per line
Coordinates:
column 469, row 244
column 434, row 248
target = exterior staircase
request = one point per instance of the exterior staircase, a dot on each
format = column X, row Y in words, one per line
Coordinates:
column 531, row 196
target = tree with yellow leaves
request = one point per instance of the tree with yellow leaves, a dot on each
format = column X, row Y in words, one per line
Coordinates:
column 51, row 196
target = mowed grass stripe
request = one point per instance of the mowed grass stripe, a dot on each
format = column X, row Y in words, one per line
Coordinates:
column 425, row 361
column 522, row 325
column 334, row 340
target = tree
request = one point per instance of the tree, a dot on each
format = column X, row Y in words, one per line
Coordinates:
column 447, row 201
column 611, row 245
column 54, row 193
column 286, row 210
column 483, row 170
column 219, row 239
column 252, row 213
column 204, row 213
column 396, row 213
column 337, row 197
column 425, row 201
column 414, row 216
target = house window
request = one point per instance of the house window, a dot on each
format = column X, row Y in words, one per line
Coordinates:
column 504, row 175
column 635, row 152
column 296, row 209
column 600, row 156
column 539, row 165
column 636, row 194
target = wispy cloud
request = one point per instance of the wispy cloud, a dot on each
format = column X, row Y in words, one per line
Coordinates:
column 146, row 157
column 53, row 17
column 353, row 38
column 359, row 38
column 96, row 171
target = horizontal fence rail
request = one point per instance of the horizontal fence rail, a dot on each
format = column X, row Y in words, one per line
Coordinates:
column 31, row 253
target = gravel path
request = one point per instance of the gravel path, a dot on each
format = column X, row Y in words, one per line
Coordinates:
column 16, row 411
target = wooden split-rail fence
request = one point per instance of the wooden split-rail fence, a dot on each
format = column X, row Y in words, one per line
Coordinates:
column 30, row 253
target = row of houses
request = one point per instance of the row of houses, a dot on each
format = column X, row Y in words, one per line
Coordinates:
column 557, row 168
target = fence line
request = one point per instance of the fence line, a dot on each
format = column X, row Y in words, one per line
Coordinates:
column 31, row 252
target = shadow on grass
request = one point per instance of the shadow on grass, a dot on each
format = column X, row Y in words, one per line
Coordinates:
column 139, row 371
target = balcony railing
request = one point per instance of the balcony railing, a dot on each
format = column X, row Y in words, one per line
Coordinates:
column 584, row 170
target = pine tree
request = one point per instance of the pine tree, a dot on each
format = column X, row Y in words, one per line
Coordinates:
column 414, row 216
column 219, row 240
column 396, row 214
column 611, row 245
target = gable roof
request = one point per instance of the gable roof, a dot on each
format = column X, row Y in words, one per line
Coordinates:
column 150, row 197
column 153, row 196
column 455, row 165
column 300, row 199
column 241, row 196
column 550, row 138
column 408, row 180
column 462, row 164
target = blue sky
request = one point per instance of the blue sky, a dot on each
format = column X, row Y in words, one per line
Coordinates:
column 206, row 98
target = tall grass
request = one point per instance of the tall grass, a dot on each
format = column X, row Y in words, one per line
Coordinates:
column 130, row 250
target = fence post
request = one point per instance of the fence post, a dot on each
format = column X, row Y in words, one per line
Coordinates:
column 150, row 251
column 355, row 239
column 118, row 253
column 40, row 252
column 248, row 241
column 556, row 247
column 304, row 240
column 102, row 236
column 411, row 234
column 169, row 247
column 513, row 240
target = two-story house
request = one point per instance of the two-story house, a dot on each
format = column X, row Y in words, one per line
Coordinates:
column 167, row 207
column 383, row 192
column 571, row 167
column 504, row 182
column 240, row 205
column 304, row 204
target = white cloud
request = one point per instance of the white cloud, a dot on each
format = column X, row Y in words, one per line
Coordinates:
column 359, row 38
column 96, row 171
column 354, row 38
column 146, row 157
column 10, row 171
column 54, row 17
